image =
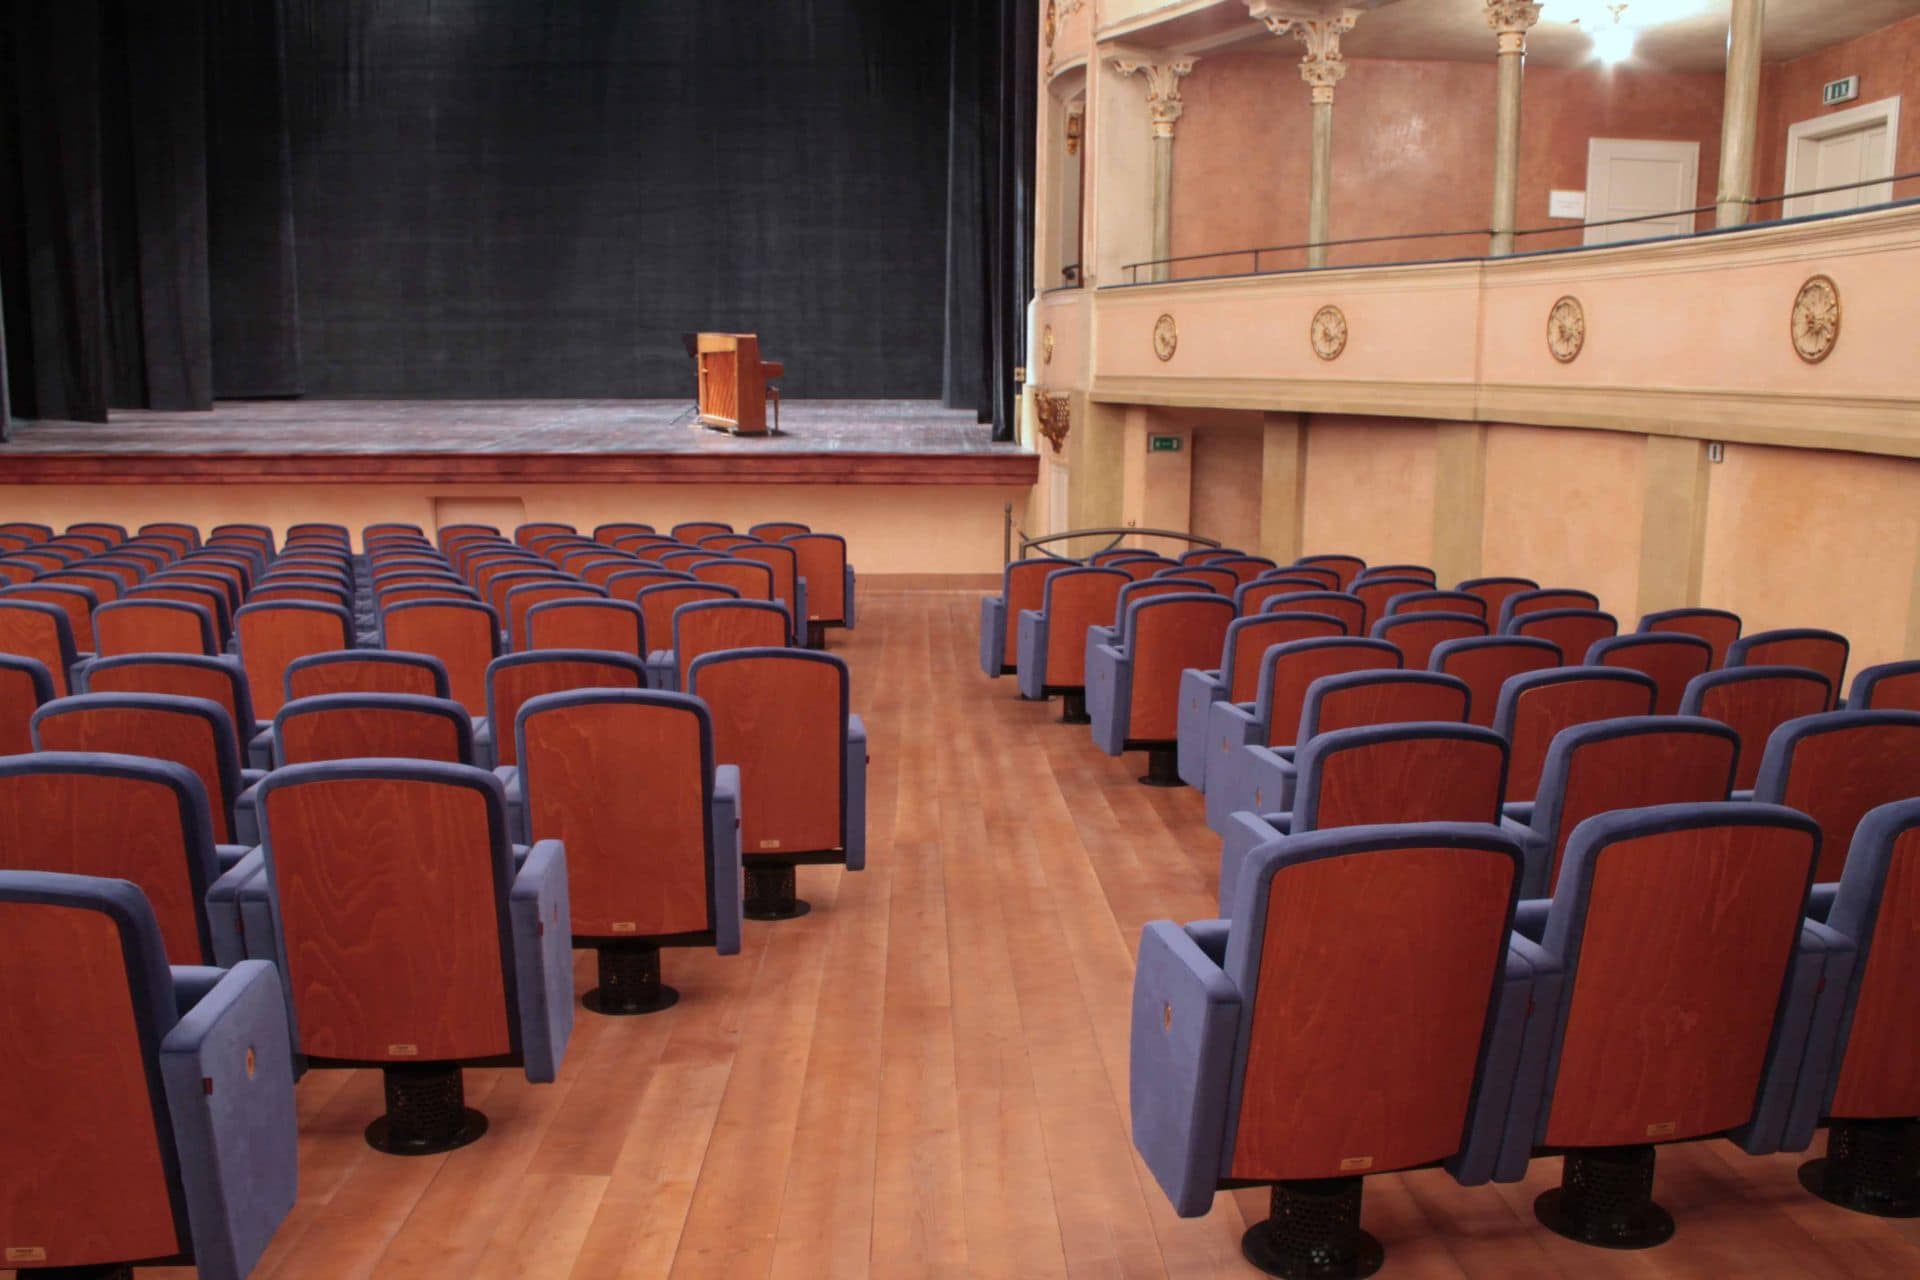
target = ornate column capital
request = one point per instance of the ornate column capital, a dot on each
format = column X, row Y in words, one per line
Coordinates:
column 1322, row 65
column 1511, row 20
column 1163, row 87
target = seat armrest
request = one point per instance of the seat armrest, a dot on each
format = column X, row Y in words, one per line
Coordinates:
column 483, row 752
column 260, row 746
column 1245, row 832
column 224, row 914
column 1820, row 901
column 662, row 671
column 847, row 597
column 1742, row 794
column 541, row 920
column 227, row 1071
column 1186, row 1012
column 993, row 634
column 1522, row 1115
column 1530, row 918
column 727, row 872
column 191, row 983
column 1537, row 851
column 856, row 782
column 1211, row 937
column 1818, row 987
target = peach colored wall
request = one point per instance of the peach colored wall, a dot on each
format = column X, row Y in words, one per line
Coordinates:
column 1806, row 538
column 889, row 529
column 1887, row 62
column 1226, row 484
column 1412, row 150
column 1369, row 488
column 1564, row 508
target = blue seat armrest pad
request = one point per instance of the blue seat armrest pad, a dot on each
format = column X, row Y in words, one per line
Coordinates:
column 483, row 752
column 728, row 891
column 1246, row 831
column 1528, row 1089
column 993, row 634
column 191, row 983
column 227, row 1070
column 1030, row 655
column 260, row 745
column 542, row 923
column 1525, row 967
column 1813, row 1076
column 1530, row 917
column 224, row 912
column 1211, row 937
column 856, row 833
column 1186, row 1014
column 1820, row 901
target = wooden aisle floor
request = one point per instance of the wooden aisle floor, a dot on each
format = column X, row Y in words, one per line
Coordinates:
column 928, row 1074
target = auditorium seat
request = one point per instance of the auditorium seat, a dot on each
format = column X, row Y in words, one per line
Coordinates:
column 587, row 623
column 221, row 681
column 25, row 686
column 347, row 726
column 125, row 817
column 167, row 1095
column 317, row 531
column 1822, row 651
column 77, row 603
column 1437, row 602
column 1375, row 593
column 612, row 530
column 105, row 586
column 1206, row 555
column 626, row 781
column 782, row 717
column 1252, row 597
column 788, row 588
column 1350, row 609
column 29, row 629
column 1133, row 685
column 16, row 569
column 830, row 582
column 1608, row 765
column 183, row 533
column 724, row 543
column 464, row 635
column 527, row 595
column 754, row 581
column 209, row 596
column 1417, row 634
column 514, row 679
column 659, row 602
column 1715, row 626
column 691, row 531
column 1390, row 947
column 1891, row 686
column 1539, row 600
column 139, row 625
column 1260, row 778
column 1835, row 766
column 1670, row 660
column 1113, row 555
column 1237, row 678
column 1139, row 567
column 1681, row 956
column 524, row 534
column 1054, row 637
column 194, row 732
column 500, row 586
column 366, row 671
column 1859, row 1076
column 1379, row 773
column 683, row 558
column 452, row 949
column 302, row 590
column 709, row 626
column 1022, row 587
column 1486, row 663
column 1574, row 631
column 1753, row 702
column 1537, row 705
column 1219, row 581
column 627, row 584
column 1374, row 572
column 174, row 542
column 270, row 636
column 1344, row 568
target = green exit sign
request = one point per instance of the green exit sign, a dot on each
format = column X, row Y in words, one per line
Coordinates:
column 1163, row 444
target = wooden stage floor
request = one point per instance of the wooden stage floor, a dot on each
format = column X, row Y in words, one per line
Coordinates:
column 928, row 1074
column 242, row 441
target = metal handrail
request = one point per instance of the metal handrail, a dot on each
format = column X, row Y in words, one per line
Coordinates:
column 1133, row 268
column 1116, row 533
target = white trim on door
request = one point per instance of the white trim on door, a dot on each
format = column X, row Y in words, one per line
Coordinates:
column 1865, row 116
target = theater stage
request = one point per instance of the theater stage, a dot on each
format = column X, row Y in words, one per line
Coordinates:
column 917, row 489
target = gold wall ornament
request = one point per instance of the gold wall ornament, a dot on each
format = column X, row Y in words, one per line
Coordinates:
column 1166, row 337
column 1566, row 329
column 1816, row 319
column 1056, row 418
column 1046, row 345
column 1328, row 332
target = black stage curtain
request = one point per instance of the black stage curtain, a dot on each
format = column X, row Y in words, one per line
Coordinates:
column 510, row 198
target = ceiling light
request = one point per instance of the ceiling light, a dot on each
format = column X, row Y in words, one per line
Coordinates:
column 1613, row 44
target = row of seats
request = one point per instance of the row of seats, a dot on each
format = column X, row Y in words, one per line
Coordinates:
column 399, row 886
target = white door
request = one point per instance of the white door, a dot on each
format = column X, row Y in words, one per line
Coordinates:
column 1840, row 149
column 1633, row 177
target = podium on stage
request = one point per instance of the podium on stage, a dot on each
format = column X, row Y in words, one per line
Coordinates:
column 735, row 384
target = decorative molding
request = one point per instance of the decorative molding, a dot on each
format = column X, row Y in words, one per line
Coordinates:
column 1046, row 345
column 1076, row 125
column 1166, row 337
column 1328, row 332
column 1322, row 66
column 1163, row 87
column 1511, row 20
column 1566, row 329
column 1056, row 418
column 1057, row 11
column 1815, row 323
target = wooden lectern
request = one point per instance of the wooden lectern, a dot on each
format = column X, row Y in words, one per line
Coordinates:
column 734, row 382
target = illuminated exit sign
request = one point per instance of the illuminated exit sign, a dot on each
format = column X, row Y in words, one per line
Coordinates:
column 1835, row 92
column 1163, row 444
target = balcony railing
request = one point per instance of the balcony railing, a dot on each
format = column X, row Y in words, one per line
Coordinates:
column 1432, row 246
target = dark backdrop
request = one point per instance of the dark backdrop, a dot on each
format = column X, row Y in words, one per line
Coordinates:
column 511, row 197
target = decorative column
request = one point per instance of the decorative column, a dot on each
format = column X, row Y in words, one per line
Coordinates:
column 1740, row 117
column 1510, row 20
column 1164, row 107
column 1322, row 66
